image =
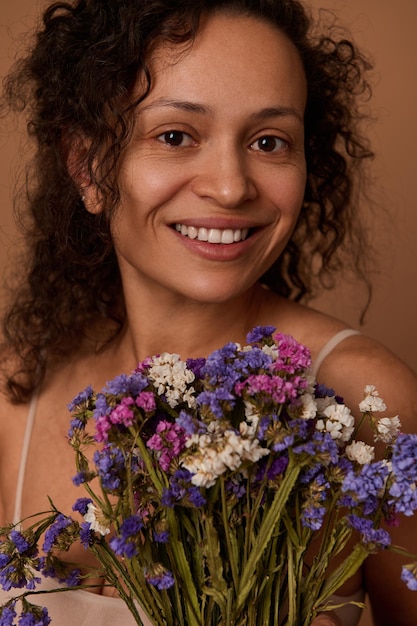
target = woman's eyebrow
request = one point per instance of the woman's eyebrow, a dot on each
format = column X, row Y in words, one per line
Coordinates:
column 278, row 111
column 182, row 105
column 195, row 107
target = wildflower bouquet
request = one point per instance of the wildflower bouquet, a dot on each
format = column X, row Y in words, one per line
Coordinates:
column 209, row 481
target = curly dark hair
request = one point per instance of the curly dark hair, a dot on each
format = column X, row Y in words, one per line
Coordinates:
column 77, row 81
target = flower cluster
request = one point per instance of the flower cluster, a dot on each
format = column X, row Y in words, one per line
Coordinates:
column 212, row 473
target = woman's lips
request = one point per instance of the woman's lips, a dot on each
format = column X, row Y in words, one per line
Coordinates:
column 213, row 235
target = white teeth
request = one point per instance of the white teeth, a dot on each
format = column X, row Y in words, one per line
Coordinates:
column 213, row 235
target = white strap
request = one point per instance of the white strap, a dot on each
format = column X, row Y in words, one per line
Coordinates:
column 331, row 345
column 17, row 516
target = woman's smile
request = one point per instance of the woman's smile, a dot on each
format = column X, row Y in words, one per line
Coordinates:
column 213, row 235
column 213, row 178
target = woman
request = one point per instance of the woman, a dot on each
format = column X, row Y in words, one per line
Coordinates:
column 195, row 160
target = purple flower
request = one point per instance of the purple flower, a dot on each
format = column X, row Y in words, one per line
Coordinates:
column 20, row 542
column 216, row 400
column 82, row 398
column 34, row 616
column 110, row 466
column 53, row 532
column 161, row 537
column 162, row 580
column 81, row 505
column 196, row 365
column 181, row 490
column 370, row 481
column 80, row 478
column 7, row 614
column 259, row 333
column 376, row 537
column 75, row 424
column 131, row 526
column 312, row 517
column 73, row 579
column 86, row 535
column 124, row 544
column 408, row 575
column 117, row 386
column 123, row 547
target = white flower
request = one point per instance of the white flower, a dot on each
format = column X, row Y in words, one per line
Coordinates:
column 171, row 377
column 340, row 423
column 94, row 520
column 271, row 351
column 323, row 403
column 372, row 403
column 360, row 452
column 252, row 416
column 309, row 406
column 388, row 429
column 219, row 450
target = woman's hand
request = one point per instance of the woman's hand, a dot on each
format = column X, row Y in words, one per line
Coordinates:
column 327, row 619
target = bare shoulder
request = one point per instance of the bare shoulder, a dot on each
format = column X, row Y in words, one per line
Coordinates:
column 359, row 361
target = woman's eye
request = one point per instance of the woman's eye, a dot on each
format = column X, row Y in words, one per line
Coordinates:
column 175, row 138
column 269, row 144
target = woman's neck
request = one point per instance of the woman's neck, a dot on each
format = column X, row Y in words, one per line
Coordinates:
column 191, row 329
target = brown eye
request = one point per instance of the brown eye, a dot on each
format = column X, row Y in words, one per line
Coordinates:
column 175, row 138
column 269, row 144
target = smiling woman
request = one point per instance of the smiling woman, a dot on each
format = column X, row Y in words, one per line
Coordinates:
column 195, row 176
column 211, row 151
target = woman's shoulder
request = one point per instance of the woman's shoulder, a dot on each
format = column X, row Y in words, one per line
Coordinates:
column 352, row 363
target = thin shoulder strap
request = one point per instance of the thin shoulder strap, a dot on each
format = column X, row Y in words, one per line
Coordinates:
column 331, row 345
column 17, row 516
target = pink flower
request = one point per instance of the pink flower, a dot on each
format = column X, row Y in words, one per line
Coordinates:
column 146, row 401
column 169, row 441
column 122, row 414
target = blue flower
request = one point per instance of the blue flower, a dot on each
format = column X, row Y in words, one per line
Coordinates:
column 131, row 526
column 80, row 478
column 86, row 535
column 181, row 490
column 75, row 424
column 20, row 542
column 163, row 580
column 81, row 505
column 259, row 332
column 123, row 547
column 81, row 398
column 312, row 517
column 35, row 617
column 196, row 366
column 409, row 576
column 377, row 537
column 53, row 532
column 213, row 400
column 370, row 481
column 162, row 537
column 7, row 614
column 110, row 466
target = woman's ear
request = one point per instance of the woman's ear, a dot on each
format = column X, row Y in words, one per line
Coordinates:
column 76, row 158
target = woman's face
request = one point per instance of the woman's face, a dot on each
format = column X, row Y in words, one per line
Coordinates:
column 213, row 178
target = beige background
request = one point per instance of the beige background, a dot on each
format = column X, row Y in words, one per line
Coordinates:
column 387, row 32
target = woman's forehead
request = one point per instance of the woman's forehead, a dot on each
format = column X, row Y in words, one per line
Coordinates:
column 232, row 57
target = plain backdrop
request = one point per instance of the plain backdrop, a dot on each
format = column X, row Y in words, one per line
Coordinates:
column 386, row 31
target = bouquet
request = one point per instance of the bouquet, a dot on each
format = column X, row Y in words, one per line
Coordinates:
column 209, row 482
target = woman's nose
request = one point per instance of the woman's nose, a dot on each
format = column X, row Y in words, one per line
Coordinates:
column 224, row 176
